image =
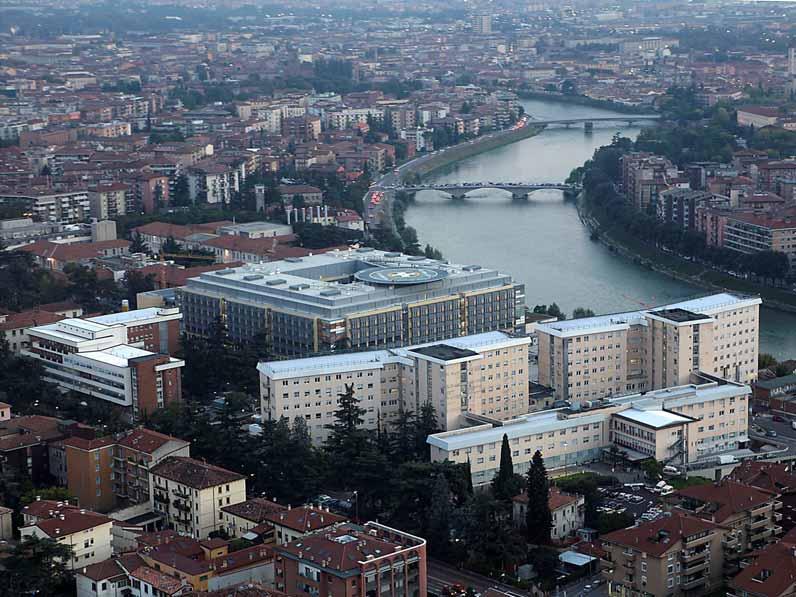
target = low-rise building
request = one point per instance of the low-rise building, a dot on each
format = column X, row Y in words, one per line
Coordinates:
column 190, row 494
column 566, row 510
column 679, row 425
column 87, row 533
column 14, row 326
column 353, row 560
column 252, row 516
column 768, row 572
column 294, row 523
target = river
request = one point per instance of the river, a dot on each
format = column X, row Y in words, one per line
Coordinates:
column 542, row 242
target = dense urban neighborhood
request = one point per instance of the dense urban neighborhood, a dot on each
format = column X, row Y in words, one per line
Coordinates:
column 235, row 363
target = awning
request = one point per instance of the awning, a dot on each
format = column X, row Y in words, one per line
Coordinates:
column 574, row 558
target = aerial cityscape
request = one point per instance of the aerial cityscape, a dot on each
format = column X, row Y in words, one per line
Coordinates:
column 476, row 298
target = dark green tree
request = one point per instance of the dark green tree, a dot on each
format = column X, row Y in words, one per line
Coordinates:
column 504, row 486
column 38, row 567
column 426, row 425
column 538, row 520
column 580, row 313
column 137, row 245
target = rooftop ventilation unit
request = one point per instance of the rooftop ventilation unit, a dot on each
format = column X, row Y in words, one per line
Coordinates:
column 275, row 282
column 330, row 292
column 252, row 277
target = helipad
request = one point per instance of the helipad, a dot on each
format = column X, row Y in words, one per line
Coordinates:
column 400, row 275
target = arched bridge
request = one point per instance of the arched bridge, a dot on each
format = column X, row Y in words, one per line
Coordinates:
column 518, row 190
column 588, row 122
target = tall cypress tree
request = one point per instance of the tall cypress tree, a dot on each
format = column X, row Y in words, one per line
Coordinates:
column 503, row 483
column 538, row 519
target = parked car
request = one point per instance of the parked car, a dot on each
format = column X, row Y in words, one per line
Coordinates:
column 778, row 419
column 771, row 433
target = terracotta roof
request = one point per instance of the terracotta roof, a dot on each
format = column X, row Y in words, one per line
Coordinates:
column 769, row 476
column 305, row 519
column 29, row 430
column 74, row 252
column 147, row 441
column 194, row 473
column 71, row 520
column 556, row 500
column 249, row 245
column 160, row 581
column 105, row 570
column 60, row 306
column 341, row 549
column 254, row 510
column 771, row 573
column 82, row 443
column 659, row 536
column 246, row 589
column 46, row 508
column 727, row 498
column 243, row 558
column 27, row 319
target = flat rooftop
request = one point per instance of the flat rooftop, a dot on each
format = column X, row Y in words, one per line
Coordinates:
column 679, row 315
column 657, row 419
column 325, row 285
column 707, row 306
column 445, row 352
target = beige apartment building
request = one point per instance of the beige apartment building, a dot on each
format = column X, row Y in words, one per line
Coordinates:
column 678, row 425
column 191, row 494
column 609, row 355
column 485, row 375
column 673, row 556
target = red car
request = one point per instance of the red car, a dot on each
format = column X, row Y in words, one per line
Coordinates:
column 778, row 419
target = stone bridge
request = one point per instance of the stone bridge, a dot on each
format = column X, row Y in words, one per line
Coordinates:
column 518, row 190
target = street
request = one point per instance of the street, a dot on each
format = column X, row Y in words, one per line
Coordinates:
column 441, row 575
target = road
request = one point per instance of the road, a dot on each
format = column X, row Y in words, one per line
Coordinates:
column 441, row 575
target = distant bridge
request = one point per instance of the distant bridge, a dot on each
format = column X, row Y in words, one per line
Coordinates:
column 589, row 122
column 518, row 190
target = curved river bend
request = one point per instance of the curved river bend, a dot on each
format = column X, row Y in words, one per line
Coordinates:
column 542, row 241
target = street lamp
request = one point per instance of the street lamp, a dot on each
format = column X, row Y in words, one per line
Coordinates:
column 565, row 445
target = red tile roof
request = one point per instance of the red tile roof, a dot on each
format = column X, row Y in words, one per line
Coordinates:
column 556, row 500
column 771, row 573
column 194, row 473
column 71, row 520
column 255, row 509
column 769, row 476
column 305, row 519
column 727, row 498
column 27, row 319
column 82, row 443
column 147, row 441
column 45, row 249
column 659, row 536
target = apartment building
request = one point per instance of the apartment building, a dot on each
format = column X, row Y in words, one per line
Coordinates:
column 752, row 514
column 676, row 555
column 567, row 512
column 107, row 201
column 89, row 471
column 134, row 454
column 350, row 560
column 14, row 326
column 768, row 572
column 87, row 533
column 191, row 494
column 358, row 298
column 752, row 232
column 484, row 374
column 251, row 518
column 100, row 357
column 680, row 425
column 678, row 206
column 65, row 207
column 609, row 355
column 645, row 175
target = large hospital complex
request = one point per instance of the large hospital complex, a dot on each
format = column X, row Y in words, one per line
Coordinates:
column 669, row 383
column 354, row 299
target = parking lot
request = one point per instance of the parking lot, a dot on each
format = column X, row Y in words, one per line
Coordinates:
column 640, row 502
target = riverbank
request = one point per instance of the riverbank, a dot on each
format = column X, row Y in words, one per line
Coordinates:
column 468, row 149
column 677, row 267
column 582, row 100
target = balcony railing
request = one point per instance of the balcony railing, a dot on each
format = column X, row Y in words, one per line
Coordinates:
column 181, row 506
column 760, row 536
column 693, row 583
column 630, row 555
column 696, row 567
column 761, row 509
column 180, row 493
column 758, row 523
column 777, row 505
column 163, row 499
column 777, row 529
column 695, row 556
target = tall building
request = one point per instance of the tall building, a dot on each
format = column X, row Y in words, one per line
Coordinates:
column 484, row 375
column 792, row 61
column 678, row 426
column 351, row 560
column 610, row 355
column 482, row 24
column 360, row 299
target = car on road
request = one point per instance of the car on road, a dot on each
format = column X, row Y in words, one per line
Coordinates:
column 771, row 433
column 778, row 419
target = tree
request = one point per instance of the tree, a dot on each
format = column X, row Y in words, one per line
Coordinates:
column 37, row 567
column 580, row 313
column 137, row 245
column 504, row 486
column 765, row 361
column 347, row 439
column 182, row 195
column 426, row 425
column 538, row 520
column 439, row 523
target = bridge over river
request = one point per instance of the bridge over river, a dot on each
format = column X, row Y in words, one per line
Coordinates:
column 589, row 122
column 518, row 190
